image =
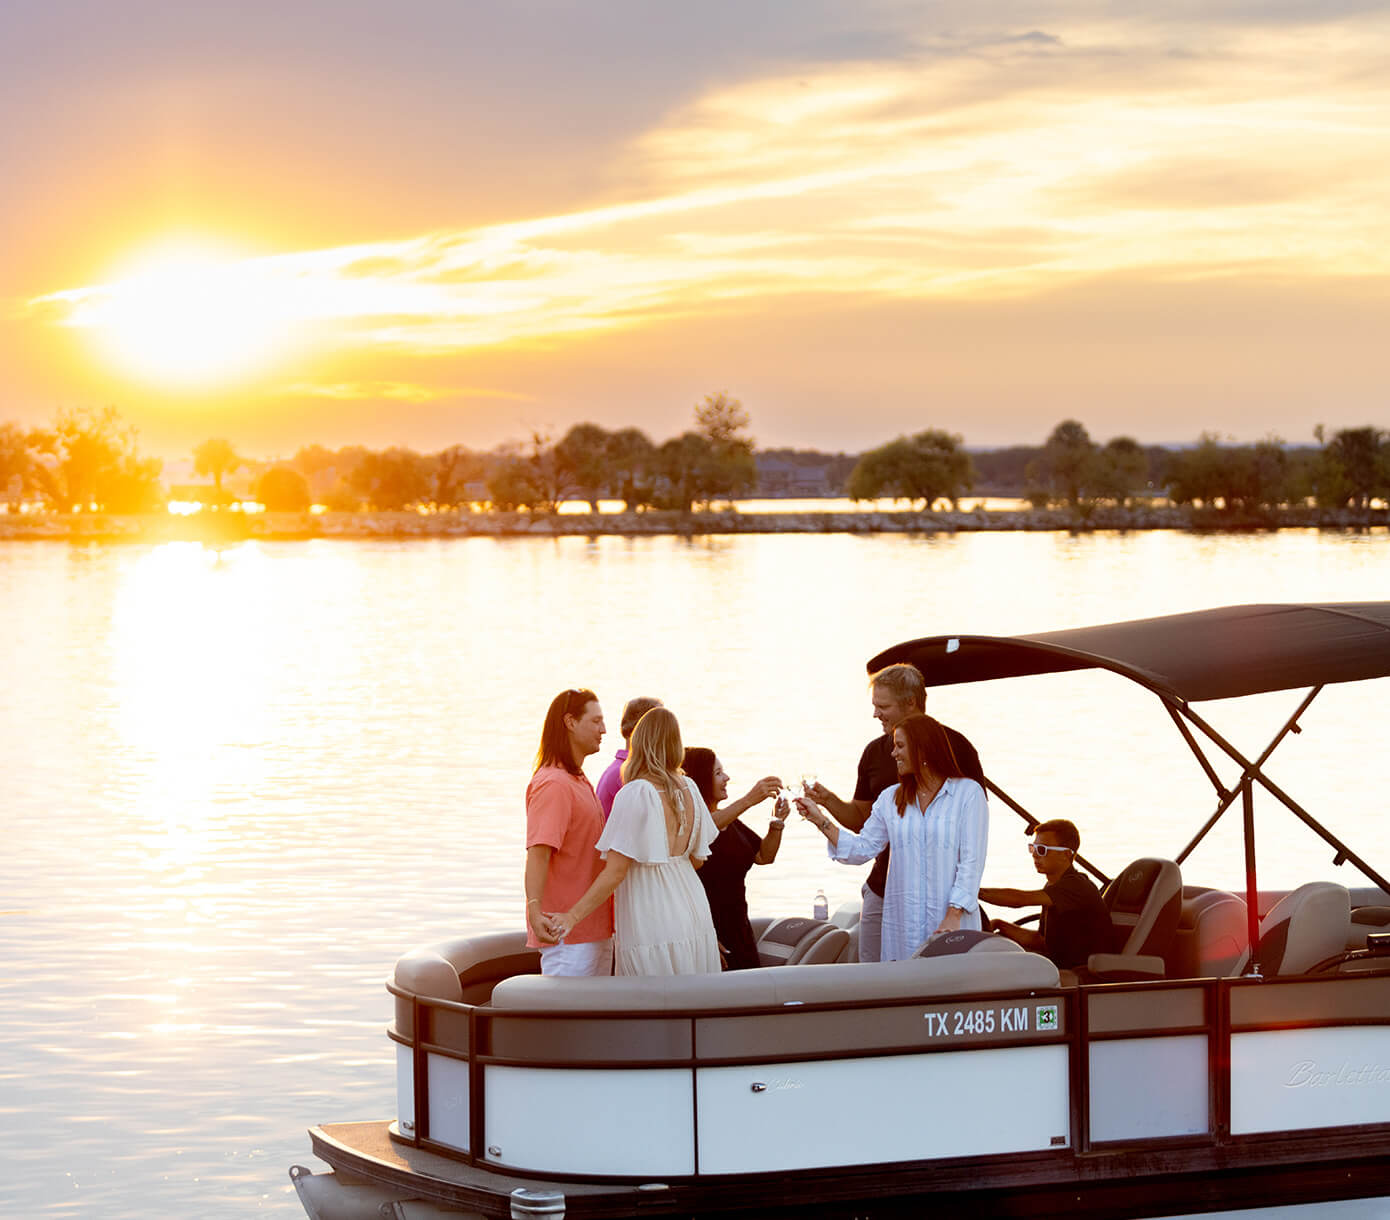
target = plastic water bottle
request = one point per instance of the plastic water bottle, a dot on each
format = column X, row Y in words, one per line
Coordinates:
column 820, row 909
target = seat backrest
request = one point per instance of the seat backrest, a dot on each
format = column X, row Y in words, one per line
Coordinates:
column 786, row 942
column 965, row 940
column 1145, row 900
column 826, row 949
column 1303, row 928
column 1213, row 932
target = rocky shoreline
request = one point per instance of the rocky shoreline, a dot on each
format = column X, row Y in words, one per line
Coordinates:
column 227, row 527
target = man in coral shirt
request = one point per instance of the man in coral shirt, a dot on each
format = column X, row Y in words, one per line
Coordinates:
column 563, row 824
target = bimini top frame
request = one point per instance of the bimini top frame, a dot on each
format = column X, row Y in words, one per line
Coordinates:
column 1184, row 659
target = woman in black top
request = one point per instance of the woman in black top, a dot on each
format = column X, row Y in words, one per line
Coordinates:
column 735, row 851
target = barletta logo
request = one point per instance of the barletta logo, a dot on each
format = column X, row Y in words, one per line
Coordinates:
column 1308, row 1074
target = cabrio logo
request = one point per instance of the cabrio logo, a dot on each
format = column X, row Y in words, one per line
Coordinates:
column 1308, row 1075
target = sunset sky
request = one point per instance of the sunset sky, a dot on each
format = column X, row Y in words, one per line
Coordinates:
column 429, row 222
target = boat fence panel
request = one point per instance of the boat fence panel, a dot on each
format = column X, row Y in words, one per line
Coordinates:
column 757, row 1119
column 448, row 1094
column 647, row 1127
column 405, row 1088
column 1296, row 1079
column 1149, row 1088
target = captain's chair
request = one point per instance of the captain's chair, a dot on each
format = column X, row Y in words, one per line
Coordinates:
column 801, row 942
column 1144, row 901
column 1302, row 929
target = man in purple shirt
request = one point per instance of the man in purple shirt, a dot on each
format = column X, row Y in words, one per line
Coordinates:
column 612, row 778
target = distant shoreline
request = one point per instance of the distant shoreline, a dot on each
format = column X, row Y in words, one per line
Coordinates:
column 230, row 527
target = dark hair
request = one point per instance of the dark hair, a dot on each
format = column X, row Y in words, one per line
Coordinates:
column 555, row 737
column 1063, row 831
column 634, row 711
column 699, row 765
column 928, row 748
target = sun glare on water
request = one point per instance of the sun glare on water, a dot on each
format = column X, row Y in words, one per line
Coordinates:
column 186, row 316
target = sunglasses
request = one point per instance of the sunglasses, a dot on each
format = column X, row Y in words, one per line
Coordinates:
column 1041, row 849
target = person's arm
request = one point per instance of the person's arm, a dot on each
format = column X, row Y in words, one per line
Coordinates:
column 848, row 847
column 768, row 786
column 767, row 850
column 850, row 814
column 1027, row 937
column 614, row 870
column 537, row 868
column 1004, row 897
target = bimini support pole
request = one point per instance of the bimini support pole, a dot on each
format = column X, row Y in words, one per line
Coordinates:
column 1228, row 796
column 1029, row 821
column 1252, row 771
column 1252, row 889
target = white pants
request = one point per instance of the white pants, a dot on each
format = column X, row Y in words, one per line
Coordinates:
column 870, row 925
column 594, row 957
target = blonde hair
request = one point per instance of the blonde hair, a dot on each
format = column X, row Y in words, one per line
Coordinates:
column 655, row 754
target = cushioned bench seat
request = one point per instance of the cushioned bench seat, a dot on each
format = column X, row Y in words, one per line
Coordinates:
column 773, row 986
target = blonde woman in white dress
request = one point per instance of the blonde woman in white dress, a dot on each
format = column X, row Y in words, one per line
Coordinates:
column 658, row 833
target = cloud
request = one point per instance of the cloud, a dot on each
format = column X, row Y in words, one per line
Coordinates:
column 991, row 162
column 396, row 391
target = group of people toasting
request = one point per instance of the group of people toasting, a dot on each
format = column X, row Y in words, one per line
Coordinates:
column 646, row 873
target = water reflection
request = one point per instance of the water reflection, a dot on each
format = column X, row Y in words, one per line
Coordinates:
column 241, row 782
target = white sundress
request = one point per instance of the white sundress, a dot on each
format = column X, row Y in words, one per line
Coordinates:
column 661, row 915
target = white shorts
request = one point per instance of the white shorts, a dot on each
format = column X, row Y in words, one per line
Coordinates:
column 594, row 957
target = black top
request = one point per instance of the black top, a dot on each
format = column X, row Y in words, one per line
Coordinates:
column 1205, row 654
column 723, row 874
column 1077, row 923
column 878, row 771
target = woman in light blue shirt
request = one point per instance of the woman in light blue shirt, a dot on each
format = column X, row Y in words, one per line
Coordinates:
column 937, row 823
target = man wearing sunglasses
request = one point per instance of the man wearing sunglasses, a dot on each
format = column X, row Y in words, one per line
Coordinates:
column 1075, row 920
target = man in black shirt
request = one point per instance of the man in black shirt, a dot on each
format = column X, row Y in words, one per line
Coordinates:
column 1075, row 921
column 897, row 691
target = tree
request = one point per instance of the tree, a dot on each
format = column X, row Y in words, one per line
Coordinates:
column 1067, row 467
column 1122, row 468
column 1356, row 466
column 95, row 464
column 451, row 470
column 17, row 467
column 583, row 452
column 721, row 420
column 687, row 466
column 283, row 489
column 632, row 468
column 390, row 480
column 929, row 466
column 216, row 458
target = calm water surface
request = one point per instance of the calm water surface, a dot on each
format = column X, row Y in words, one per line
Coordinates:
column 238, row 784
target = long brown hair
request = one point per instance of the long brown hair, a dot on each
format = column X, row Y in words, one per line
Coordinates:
column 699, row 766
column 555, row 736
column 928, row 748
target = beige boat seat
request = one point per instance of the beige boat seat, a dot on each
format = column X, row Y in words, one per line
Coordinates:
column 1213, row 932
column 923, row 977
column 1302, row 929
column 795, row 941
column 1145, row 901
column 468, row 968
column 964, row 940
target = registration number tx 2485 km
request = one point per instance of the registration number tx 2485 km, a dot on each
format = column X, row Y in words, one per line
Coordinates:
column 1003, row 1019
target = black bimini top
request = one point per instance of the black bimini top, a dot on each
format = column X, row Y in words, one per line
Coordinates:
column 1207, row 654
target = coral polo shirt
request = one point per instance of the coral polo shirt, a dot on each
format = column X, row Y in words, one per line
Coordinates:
column 563, row 813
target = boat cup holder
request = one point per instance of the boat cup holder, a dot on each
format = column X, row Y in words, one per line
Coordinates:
column 1378, row 944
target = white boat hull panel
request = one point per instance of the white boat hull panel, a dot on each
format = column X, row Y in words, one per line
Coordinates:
column 837, row 1112
column 1287, row 1080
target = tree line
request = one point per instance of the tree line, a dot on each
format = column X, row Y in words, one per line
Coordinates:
column 89, row 460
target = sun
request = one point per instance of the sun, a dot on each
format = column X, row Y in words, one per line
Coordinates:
column 186, row 315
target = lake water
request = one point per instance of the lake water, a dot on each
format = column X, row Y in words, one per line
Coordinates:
column 239, row 783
